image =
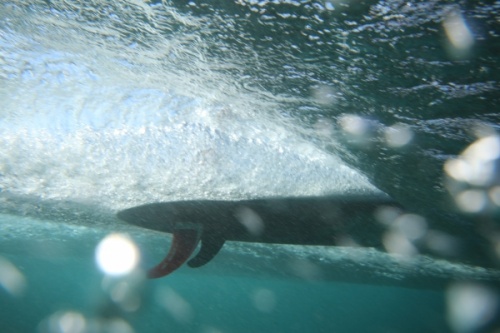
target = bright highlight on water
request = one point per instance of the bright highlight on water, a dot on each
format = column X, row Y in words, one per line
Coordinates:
column 117, row 255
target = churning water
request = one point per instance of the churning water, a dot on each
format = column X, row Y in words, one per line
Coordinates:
column 106, row 105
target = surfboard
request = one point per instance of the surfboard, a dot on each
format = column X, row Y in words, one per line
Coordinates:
column 330, row 221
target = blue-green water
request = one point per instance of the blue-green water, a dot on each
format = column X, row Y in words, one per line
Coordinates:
column 106, row 105
column 219, row 303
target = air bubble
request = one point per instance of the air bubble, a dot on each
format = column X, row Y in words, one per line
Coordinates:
column 459, row 36
column 354, row 125
column 412, row 226
column 250, row 220
column 470, row 307
column 65, row 322
column 264, row 300
column 471, row 201
column 306, row 270
column 11, row 279
column 398, row 135
column 175, row 305
column 324, row 95
column 396, row 243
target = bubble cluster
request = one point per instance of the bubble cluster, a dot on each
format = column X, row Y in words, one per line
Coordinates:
column 474, row 176
column 408, row 235
column 122, row 292
column 405, row 231
column 71, row 321
column 363, row 132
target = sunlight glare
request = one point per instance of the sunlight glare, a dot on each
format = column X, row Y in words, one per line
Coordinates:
column 117, row 255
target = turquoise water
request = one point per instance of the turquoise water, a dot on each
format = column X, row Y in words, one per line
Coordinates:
column 219, row 303
column 108, row 105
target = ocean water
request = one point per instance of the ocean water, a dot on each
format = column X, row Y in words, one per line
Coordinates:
column 107, row 105
column 220, row 303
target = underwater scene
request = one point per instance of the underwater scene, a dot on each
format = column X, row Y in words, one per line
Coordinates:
column 249, row 166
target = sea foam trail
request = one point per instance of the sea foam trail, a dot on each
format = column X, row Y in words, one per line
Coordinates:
column 73, row 130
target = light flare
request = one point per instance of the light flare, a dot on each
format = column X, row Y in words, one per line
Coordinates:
column 117, row 255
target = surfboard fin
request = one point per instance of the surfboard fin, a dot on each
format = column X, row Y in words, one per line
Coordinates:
column 210, row 246
column 184, row 242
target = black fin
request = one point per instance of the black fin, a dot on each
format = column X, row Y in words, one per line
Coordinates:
column 210, row 245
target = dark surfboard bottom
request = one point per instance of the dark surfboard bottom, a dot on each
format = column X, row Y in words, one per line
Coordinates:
column 303, row 221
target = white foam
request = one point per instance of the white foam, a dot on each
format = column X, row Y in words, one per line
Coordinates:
column 82, row 122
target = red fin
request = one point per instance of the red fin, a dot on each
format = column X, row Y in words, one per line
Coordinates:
column 183, row 244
